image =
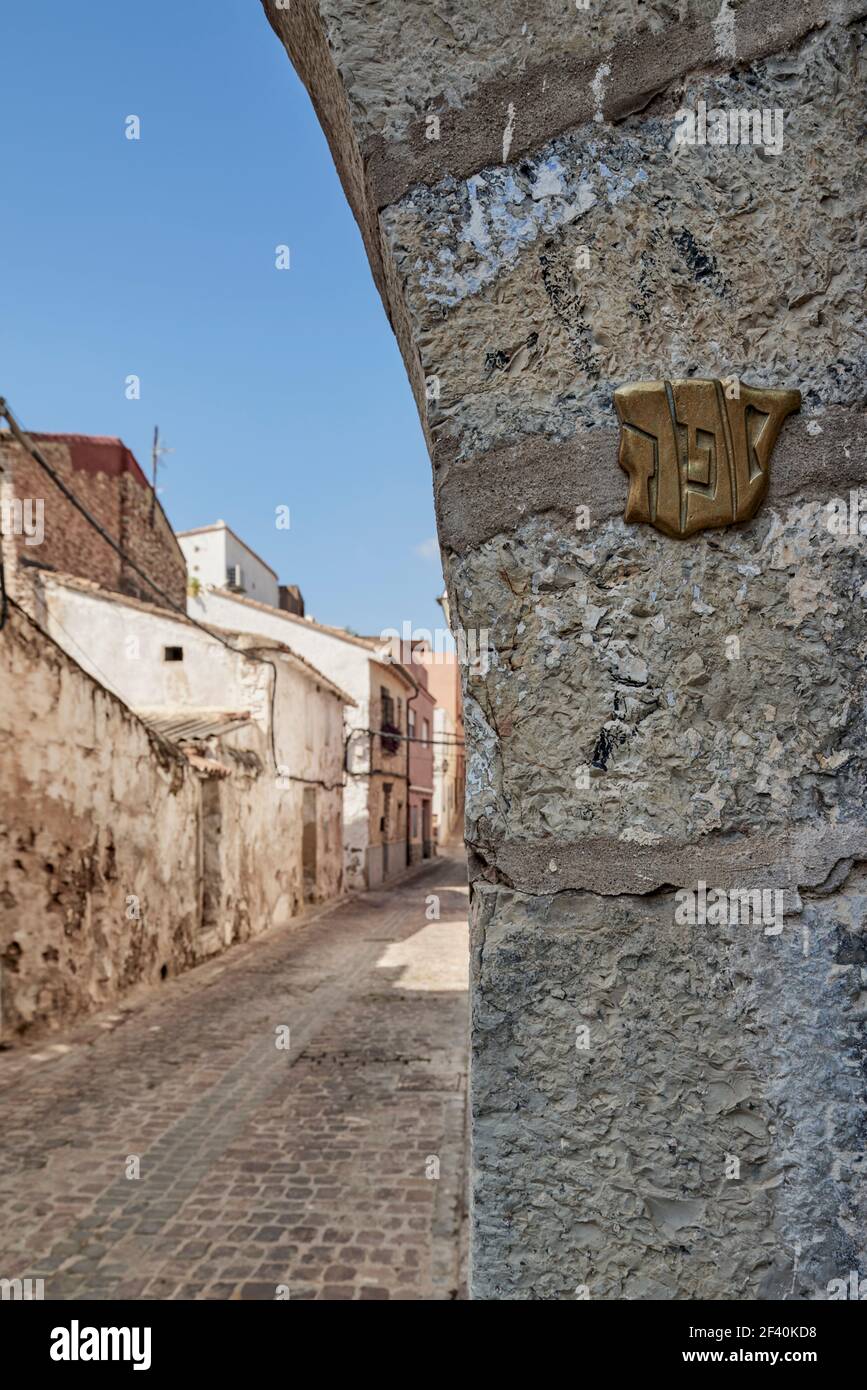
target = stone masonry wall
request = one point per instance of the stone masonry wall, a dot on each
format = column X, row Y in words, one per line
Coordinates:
column 661, row 1109
column 106, row 479
column 99, row 820
column 121, row 862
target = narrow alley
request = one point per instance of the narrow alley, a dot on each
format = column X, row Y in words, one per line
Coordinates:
column 186, row 1145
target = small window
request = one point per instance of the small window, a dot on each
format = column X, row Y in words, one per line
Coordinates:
column 173, row 653
column 386, row 707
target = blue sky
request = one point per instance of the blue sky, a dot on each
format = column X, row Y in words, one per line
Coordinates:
column 156, row 257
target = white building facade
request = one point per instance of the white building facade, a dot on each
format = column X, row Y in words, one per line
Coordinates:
column 376, row 794
column 216, row 556
column 273, row 823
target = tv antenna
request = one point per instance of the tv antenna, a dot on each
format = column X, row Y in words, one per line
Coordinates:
column 157, row 452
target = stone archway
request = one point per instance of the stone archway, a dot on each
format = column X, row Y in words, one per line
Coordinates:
column 665, row 1098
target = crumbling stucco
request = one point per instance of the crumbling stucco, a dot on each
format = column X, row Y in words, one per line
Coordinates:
column 98, row 828
column 123, row 861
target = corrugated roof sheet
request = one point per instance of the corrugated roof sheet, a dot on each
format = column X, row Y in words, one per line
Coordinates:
column 187, row 725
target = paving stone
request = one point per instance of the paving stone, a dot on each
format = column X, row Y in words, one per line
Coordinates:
column 258, row 1167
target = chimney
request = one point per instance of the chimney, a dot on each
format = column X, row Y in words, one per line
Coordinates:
column 291, row 599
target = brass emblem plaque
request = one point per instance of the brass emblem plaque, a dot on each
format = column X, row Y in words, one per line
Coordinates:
column 696, row 456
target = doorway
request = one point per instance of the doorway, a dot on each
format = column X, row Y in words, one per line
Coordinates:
column 308, row 844
column 385, row 824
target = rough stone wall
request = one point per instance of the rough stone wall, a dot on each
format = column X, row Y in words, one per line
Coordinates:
column 121, row 644
column 148, row 539
column 98, row 822
column 121, row 862
column 660, row 1109
column 104, row 476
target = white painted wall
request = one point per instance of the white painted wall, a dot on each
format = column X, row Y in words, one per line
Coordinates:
column 122, row 645
column 345, row 663
column 211, row 554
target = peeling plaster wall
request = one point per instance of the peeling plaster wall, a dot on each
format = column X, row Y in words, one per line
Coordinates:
column 118, row 859
column 352, row 666
column 95, row 812
column 655, row 713
column 346, row 663
column 122, row 643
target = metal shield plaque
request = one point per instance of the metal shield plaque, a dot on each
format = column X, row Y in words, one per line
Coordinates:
column 698, row 454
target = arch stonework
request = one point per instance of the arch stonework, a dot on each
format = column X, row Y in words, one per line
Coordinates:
column 665, row 782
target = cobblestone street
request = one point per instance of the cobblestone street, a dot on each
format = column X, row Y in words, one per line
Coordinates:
column 308, row 1167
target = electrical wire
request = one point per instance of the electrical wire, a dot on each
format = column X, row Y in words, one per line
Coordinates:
column 250, row 654
column 411, row 738
column 27, row 444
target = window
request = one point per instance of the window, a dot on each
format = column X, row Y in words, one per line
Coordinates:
column 410, row 714
column 425, row 731
column 387, row 708
column 173, row 653
column 415, row 822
